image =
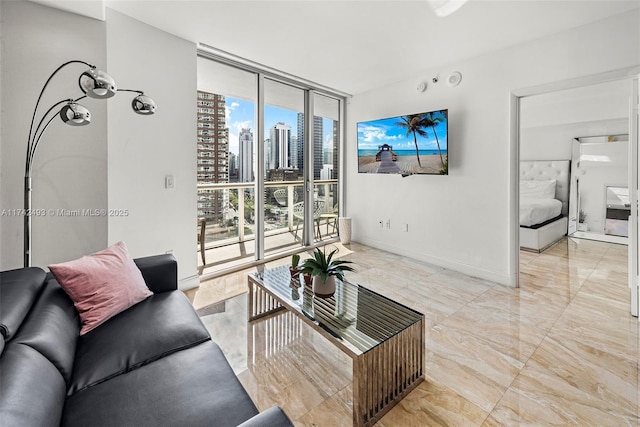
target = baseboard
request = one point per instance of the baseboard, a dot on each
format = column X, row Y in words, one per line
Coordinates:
column 189, row 282
column 492, row 276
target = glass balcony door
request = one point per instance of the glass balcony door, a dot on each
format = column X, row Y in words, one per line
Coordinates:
column 284, row 167
column 267, row 174
column 227, row 107
column 326, row 167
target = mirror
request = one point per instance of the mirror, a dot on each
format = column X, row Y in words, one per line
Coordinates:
column 598, row 188
column 618, row 212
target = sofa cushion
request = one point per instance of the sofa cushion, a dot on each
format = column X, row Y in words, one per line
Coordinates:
column 272, row 417
column 161, row 324
column 101, row 285
column 32, row 390
column 194, row 387
column 20, row 289
column 52, row 327
column 160, row 272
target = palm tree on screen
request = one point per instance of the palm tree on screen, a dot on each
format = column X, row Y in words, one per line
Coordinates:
column 432, row 121
column 414, row 124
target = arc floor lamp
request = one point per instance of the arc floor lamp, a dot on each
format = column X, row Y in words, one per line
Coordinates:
column 93, row 83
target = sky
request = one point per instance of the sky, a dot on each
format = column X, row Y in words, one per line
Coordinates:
column 240, row 114
column 374, row 133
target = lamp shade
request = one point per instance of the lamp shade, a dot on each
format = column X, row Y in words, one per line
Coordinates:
column 144, row 105
column 75, row 114
column 97, row 84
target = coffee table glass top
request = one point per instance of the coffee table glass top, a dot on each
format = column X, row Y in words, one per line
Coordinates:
column 358, row 317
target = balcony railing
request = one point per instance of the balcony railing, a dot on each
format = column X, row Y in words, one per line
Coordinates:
column 228, row 209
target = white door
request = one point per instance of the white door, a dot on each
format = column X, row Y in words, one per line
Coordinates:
column 634, row 231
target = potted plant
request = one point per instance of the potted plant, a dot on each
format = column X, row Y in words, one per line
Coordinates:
column 324, row 270
column 295, row 261
column 582, row 218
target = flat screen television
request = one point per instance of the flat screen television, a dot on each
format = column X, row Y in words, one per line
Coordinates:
column 406, row 145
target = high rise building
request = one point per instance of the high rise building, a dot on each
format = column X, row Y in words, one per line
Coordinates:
column 293, row 149
column 317, row 143
column 317, row 146
column 233, row 167
column 212, row 153
column 280, row 137
column 336, row 140
column 327, row 157
column 245, row 161
column 300, row 142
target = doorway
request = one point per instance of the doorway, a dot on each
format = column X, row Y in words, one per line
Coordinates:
column 543, row 128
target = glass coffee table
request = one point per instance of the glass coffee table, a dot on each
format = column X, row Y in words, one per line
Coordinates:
column 385, row 339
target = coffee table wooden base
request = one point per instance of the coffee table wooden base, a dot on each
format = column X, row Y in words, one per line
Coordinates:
column 382, row 376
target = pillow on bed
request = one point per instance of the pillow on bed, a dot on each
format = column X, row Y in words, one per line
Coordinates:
column 538, row 189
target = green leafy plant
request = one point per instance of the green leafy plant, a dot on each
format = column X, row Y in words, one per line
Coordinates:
column 324, row 265
column 582, row 216
column 295, row 261
column 294, row 269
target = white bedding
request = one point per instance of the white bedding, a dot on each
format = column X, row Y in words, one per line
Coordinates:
column 537, row 210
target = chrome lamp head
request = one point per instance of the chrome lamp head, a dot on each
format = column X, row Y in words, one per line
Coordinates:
column 143, row 104
column 97, row 84
column 75, row 114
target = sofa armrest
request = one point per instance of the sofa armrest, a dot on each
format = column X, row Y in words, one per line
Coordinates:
column 272, row 417
column 160, row 272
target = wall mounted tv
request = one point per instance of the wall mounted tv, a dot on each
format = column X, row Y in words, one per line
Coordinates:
column 406, row 145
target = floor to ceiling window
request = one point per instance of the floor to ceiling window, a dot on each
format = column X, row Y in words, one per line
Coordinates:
column 326, row 138
column 283, row 165
column 253, row 137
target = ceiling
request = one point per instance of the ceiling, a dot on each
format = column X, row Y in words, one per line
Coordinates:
column 355, row 46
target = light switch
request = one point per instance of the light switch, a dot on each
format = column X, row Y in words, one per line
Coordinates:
column 169, row 182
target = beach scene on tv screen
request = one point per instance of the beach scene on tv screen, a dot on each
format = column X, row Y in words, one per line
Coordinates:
column 411, row 144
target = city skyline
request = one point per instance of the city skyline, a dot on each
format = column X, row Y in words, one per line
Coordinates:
column 240, row 114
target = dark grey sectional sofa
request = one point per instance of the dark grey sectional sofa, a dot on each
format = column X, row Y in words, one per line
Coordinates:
column 152, row 365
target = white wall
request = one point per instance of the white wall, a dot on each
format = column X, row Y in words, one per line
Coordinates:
column 462, row 220
column 70, row 169
column 144, row 149
column 550, row 121
column 120, row 160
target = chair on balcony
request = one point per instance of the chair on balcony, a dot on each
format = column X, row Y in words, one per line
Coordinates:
column 281, row 196
column 331, row 218
column 298, row 214
column 203, row 227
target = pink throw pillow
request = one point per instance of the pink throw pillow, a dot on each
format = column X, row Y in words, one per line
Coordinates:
column 101, row 285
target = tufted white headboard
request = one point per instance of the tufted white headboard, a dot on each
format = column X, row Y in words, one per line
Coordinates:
column 539, row 170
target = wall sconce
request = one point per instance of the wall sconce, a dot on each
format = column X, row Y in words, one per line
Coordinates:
column 93, row 83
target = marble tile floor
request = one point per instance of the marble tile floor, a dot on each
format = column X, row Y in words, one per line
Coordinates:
column 561, row 350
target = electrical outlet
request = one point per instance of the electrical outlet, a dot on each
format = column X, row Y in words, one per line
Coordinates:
column 381, row 224
column 405, row 227
column 388, row 224
column 169, row 182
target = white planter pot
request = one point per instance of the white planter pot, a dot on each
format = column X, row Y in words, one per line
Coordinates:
column 344, row 229
column 582, row 226
column 324, row 289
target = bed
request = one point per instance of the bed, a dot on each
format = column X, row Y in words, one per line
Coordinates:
column 544, row 203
